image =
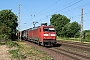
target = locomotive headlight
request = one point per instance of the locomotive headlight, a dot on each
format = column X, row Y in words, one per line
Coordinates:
column 53, row 34
column 45, row 34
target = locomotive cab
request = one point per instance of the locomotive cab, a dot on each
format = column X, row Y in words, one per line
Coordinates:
column 49, row 35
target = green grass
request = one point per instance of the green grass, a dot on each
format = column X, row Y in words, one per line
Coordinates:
column 87, row 40
column 16, row 54
column 12, row 44
column 2, row 43
column 73, row 39
column 24, row 51
column 21, row 51
column 33, row 52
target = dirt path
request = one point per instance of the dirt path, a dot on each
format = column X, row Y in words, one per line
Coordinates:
column 4, row 55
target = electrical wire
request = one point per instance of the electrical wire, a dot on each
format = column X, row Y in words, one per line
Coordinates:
column 69, row 6
column 83, row 14
column 63, row 5
column 77, row 7
column 29, row 10
column 49, row 7
column 59, row 7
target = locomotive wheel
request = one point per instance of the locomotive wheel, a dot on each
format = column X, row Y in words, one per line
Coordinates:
column 44, row 44
column 39, row 43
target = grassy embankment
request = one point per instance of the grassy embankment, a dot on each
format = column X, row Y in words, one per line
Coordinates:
column 73, row 39
column 22, row 51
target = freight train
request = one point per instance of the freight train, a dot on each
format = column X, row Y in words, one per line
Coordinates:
column 43, row 35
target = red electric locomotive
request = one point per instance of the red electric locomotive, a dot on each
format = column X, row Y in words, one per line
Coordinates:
column 43, row 35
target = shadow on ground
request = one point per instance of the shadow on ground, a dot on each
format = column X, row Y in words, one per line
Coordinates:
column 55, row 45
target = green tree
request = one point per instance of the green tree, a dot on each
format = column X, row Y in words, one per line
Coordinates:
column 59, row 21
column 66, row 30
column 71, row 29
column 87, row 35
column 8, row 23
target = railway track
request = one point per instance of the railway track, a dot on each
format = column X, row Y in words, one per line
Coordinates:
column 54, row 54
column 78, row 45
column 74, row 50
column 71, row 54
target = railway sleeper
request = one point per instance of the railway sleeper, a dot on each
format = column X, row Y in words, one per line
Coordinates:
column 70, row 54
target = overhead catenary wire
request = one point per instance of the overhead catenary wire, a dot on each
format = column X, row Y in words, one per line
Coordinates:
column 63, row 5
column 76, row 8
column 48, row 7
column 42, row 10
column 69, row 6
column 73, row 16
column 28, row 9
column 79, row 7
column 52, row 5
column 33, row 12
column 59, row 7
column 83, row 14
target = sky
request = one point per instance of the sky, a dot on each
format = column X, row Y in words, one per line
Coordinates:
column 42, row 10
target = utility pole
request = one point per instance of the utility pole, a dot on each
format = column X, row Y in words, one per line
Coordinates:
column 19, row 22
column 81, row 35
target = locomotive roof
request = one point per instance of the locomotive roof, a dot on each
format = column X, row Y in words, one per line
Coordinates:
column 35, row 27
column 38, row 27
column 47, row 26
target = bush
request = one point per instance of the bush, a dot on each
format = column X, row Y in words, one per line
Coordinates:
column 11, row 44
column 87, row 36
column 77, row 35
column 3, row 39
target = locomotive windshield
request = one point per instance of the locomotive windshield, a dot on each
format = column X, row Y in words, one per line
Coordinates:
column 49, row 30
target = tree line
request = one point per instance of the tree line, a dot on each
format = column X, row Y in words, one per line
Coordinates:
column 67, row 29
column 63, row 26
